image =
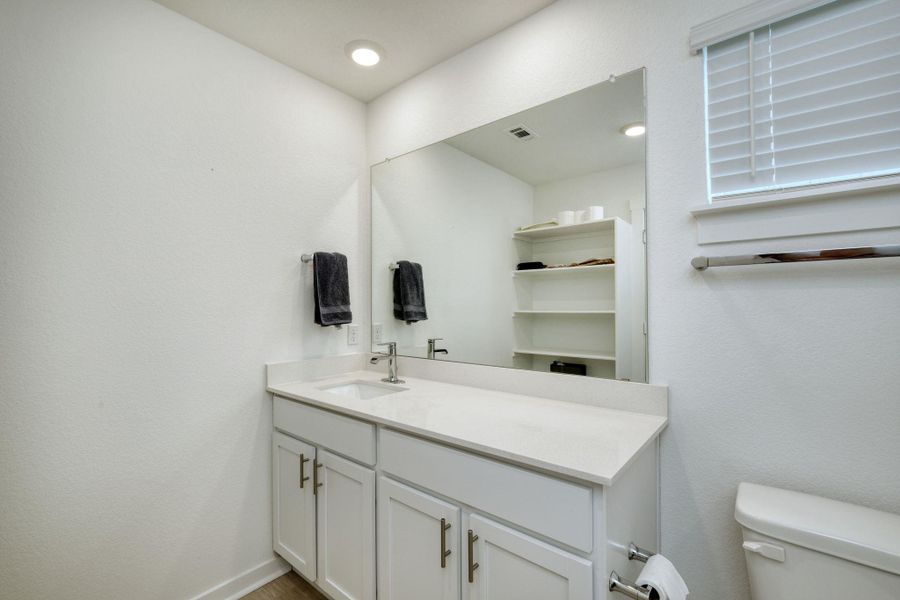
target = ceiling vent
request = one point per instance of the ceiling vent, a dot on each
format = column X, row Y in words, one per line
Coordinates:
column 522, row 133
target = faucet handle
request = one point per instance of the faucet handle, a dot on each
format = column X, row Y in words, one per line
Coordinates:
column 432, row 340
column 392, row 346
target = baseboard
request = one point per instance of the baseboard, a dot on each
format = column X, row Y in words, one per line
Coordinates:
column 244, row 583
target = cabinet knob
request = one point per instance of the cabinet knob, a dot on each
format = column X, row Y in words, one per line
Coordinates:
column 316, row 483
column 444, row 551
column 472, row 564
column 303, row 461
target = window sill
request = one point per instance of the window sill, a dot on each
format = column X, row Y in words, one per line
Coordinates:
column 848, row 206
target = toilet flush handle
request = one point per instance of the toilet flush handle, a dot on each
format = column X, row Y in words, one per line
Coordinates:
column 770, row 551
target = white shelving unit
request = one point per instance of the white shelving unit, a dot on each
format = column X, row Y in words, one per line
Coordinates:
column 563, row 312
column 567, row 231
column 563, row 271
column 556, row 352
column 575, row 314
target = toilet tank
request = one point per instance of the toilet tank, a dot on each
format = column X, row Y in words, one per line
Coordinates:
column 800, row 546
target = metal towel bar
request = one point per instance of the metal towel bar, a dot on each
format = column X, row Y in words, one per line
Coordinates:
column 701, row 263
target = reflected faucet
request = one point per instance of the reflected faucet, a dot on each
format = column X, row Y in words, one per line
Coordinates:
column 432, row 350
column 391, row 356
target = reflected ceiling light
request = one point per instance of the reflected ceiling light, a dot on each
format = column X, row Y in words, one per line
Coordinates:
column 364, row 53
column 634, row 129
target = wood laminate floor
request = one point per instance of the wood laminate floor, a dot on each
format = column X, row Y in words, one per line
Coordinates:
column 287, row 587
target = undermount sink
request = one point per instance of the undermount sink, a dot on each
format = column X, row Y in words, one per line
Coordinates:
column 362, row 390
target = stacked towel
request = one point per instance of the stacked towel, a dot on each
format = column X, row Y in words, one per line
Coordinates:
column 409, row 292
column 331, row 288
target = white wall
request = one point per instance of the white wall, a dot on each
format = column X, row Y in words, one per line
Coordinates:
column 158, row 184
column 618, row 191
column 779, row 374
column 455, row 215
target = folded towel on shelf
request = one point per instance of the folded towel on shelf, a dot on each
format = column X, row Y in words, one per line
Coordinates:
column 585, row 263
column 409, row 292
column 331, row 289
column 550, row 223
column 530, row 266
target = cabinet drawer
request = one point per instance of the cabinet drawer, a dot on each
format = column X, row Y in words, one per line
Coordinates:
column 350, row 437
column 557, row 509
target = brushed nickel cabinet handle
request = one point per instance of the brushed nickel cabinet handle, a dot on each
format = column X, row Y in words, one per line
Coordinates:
column 444, row 551
column 303, row 478
column 472, row 564
column 316, row 484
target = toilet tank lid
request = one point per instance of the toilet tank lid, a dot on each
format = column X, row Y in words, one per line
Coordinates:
column 855, row 533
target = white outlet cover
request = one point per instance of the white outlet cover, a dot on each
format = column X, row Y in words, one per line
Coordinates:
column 352, row 335
column 377, row 333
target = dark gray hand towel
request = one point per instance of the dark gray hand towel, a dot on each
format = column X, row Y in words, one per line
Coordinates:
column 409, row 292
column 331, row 288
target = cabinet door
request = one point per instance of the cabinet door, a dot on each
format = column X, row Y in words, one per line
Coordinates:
column 294, row 505
column 418, row 545
column 346, row 528
column 509, row 565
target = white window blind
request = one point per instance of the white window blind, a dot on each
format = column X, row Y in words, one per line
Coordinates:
column 810, row 100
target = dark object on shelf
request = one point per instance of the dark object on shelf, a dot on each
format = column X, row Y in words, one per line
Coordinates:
column 529, row 266
column 558, row 366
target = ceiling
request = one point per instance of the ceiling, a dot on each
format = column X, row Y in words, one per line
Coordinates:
column 310, row 35
column 576, row 134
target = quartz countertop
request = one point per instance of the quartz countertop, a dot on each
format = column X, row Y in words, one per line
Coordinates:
column 581, row 441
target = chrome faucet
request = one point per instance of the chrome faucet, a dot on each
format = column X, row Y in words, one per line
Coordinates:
column 391, row 356
column 432, row 350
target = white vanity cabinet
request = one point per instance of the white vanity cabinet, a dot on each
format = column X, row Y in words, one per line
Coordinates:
column 418, row 544
column 346, row 529
column 294, row 504
column 505, row 564
column 452, row 524
column 323, row 503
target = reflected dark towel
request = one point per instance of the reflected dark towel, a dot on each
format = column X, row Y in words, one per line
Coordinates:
column 409, row 292
column 530, row 266
column 331, row 288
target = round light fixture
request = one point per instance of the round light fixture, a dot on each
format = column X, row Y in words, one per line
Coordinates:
column 364, row 53
column 634, row 129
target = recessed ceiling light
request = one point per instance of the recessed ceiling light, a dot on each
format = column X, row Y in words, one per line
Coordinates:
column 634, row 129
column 364, row 53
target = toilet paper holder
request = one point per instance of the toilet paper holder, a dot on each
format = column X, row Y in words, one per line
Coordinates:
column 627, row 588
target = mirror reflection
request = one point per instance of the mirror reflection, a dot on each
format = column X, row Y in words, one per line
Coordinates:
column 520, row 243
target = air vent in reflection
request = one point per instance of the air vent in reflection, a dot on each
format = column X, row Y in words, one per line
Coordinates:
column 521, row 133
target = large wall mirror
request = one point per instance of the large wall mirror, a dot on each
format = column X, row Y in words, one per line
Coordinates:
column 521, row 243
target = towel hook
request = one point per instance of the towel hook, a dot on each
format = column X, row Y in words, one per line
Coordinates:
column 307, row 258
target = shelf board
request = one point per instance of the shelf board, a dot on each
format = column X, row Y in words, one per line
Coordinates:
column 562, row 270
column 564, row 312
column 567, row 230
column 565, row 353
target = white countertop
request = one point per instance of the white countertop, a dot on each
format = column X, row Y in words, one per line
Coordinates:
column 586, row 442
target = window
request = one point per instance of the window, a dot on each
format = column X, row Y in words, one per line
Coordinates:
column 809, row 100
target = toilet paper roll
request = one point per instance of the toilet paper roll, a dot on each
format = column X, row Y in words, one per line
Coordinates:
column 660, row 574
column 566, row 217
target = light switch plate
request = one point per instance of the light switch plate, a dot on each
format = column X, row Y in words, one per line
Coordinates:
column 377, row 333
column 352, row 334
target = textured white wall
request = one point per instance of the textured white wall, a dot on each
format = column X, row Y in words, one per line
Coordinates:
column 158, row 183
column 455, row 215
column 619, row 191
column 781, row 374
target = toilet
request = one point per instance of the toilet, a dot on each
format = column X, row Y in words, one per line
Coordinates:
column 803, row 547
